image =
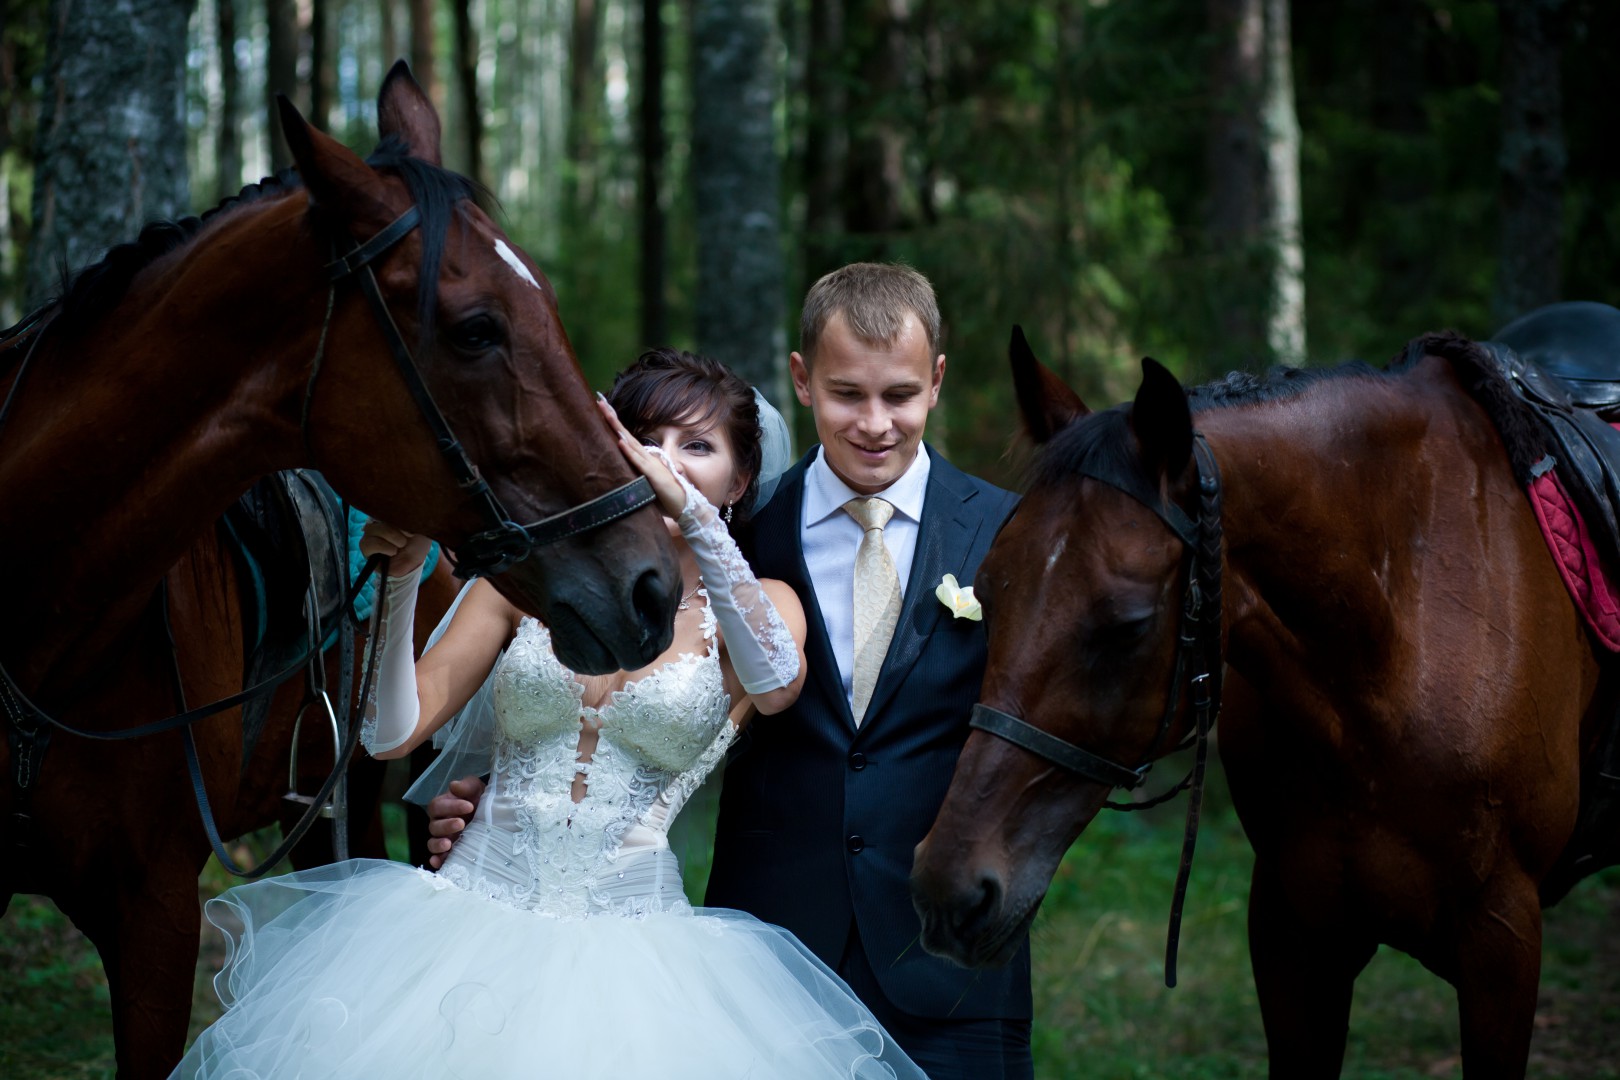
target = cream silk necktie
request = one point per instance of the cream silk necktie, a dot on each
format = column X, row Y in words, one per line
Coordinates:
column 877, row 598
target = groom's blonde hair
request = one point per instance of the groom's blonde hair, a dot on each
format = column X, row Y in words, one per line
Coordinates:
column 875, row 299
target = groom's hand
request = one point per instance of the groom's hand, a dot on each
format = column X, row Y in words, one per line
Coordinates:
column 448, row 815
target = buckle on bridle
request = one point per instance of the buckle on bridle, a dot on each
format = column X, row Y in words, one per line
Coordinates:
column 493, row 551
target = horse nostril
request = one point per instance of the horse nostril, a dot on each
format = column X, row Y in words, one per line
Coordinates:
column 654, row 604
column 979, row 906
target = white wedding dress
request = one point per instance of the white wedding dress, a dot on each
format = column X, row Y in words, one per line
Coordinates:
column 556, row 941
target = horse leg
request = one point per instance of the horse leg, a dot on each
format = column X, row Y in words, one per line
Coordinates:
column 1497, row 972
column 1304, row 975
column 147, row 933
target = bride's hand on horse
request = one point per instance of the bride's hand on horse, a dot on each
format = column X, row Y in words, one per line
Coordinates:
column 653, row 465
column 405, row 551
column 448, row 814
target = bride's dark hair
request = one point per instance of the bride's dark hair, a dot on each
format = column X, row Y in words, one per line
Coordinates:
column 668, row 386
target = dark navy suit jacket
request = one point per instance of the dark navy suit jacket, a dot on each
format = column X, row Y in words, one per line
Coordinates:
column 818, row 819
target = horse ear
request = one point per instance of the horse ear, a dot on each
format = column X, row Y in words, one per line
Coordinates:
column 334, row 175
column 1162, row 420
column 1046, row 401
column 405, row 110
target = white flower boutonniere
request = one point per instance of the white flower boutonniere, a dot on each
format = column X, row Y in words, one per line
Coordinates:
column 961, row 602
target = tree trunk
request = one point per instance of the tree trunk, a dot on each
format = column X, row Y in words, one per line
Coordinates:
column 388, row 31
column 281, row 72
column 1258, row 283
column 584, row 96
column 875, row 188
column 111, row 149
column 1533, row 155
column 1236, row 177
column 654, row 309
column 1285, row 319
column 1406, row 280
column 826, row 143
column 423, row 52
column 322, row 64
column 229, row 181
column 467, row 81
column 736, row 180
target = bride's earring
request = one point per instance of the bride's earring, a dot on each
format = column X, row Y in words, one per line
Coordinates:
column 726, row 513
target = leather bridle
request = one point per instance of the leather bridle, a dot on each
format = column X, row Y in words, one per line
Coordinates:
column 503, row 541
column 1198, row 663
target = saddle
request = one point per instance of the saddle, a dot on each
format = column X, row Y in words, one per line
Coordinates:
column 290, row 539
column 1563, row 360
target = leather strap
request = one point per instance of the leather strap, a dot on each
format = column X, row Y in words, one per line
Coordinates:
column 1054, row 749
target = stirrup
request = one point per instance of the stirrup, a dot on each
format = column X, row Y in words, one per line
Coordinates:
column 329, row 809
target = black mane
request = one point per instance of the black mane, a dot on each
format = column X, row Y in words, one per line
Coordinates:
column 89, row 294
column 1102, row 441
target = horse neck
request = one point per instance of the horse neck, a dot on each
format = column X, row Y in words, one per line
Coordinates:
column 1332, row 499
column 130, row 437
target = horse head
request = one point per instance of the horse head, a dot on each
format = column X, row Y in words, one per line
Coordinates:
column 1082, row 597
column 480, row 321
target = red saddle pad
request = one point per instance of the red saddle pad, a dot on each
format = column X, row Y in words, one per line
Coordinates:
column 1572, row 549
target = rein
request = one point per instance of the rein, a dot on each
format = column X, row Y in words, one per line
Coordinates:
column 1198, row 650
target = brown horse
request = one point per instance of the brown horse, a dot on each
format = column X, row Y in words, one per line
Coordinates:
column 1409, row 689
column 167, row 379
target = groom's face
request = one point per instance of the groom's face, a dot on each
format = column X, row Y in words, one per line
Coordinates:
column 870, row 402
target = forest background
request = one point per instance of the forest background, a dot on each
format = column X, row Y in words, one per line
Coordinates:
column 1218, row 183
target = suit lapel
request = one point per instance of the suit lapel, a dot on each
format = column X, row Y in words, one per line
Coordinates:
column 944, row 539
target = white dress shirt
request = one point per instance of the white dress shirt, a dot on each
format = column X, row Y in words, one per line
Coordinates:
column 831, row 537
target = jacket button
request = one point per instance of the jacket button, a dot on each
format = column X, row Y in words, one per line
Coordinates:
column 857, row 761
column 856, row 843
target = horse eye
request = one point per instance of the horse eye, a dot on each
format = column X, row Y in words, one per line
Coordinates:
column 480, row 333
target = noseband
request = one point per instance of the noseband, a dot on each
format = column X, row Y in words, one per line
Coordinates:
column 503, row 541
column 1198, row 650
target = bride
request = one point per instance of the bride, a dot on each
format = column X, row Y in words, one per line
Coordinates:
column 556, row 940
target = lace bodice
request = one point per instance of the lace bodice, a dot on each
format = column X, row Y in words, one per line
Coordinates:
column 658, row 738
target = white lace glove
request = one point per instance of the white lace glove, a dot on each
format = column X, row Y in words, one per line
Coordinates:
column 392, row 709
column 762, row 650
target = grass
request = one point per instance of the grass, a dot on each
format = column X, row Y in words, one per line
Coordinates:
column 1102, row 1011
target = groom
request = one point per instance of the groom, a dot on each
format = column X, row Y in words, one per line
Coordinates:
column 823, row 804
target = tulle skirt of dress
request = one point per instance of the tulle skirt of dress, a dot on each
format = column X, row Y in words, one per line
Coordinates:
column 377, row 969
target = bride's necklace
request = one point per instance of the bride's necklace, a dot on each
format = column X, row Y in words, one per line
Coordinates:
column 684, row 606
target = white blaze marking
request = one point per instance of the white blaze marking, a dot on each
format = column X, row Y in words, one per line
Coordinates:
column 509, row 257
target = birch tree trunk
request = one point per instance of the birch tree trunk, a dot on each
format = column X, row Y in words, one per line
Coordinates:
column 1258, row 284
column 111, row 147
column 1285, row 320
column 736, row 182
